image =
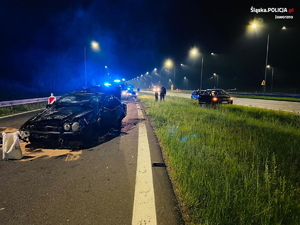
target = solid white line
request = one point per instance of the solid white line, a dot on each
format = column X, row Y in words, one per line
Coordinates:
column 144, row 211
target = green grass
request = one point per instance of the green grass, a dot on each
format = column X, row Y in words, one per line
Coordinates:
column 230, row 164
column 4, row 111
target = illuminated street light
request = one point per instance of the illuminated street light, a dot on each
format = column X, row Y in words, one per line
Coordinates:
column 194, row 52
column 283, row 28
column 255, row 25
column 169, row 63
column 95, row 47
column 217, row 78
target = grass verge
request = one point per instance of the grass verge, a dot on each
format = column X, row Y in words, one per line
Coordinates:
column 4, row 111
column 230, row 164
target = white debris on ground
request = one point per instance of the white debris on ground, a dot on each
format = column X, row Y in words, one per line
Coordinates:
column 30, row 154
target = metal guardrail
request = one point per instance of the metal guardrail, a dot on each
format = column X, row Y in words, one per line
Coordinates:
column 22, row 102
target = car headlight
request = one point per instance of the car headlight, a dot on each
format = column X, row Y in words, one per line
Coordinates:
column 75, row 126
column 214, row 99
column 231, row 98
column 67, row 126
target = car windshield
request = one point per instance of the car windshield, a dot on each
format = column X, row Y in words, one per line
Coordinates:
column 77, row 99
column 219, row 92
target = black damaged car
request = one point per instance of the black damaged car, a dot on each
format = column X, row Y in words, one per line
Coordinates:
column 76, row 119
column 215, row 96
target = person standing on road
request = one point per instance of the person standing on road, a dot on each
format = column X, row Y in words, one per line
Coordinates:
column 163, row 92
column 156, row 94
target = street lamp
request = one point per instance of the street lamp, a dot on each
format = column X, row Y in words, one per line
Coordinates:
column 254, row 25
column 95, row 46
column 169, row 63
column 268, row 66
column 194, row 52
column 217, row 78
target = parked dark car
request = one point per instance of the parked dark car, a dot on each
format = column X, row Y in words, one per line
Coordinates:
column 215, row 96
column 75, row 119
column 126, row 94
column 195, row 94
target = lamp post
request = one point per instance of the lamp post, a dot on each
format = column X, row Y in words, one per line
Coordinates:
column 267, row 53
column 217, row 76
column 169, row 64
column 194, row 52
column 268, row 66
column 254, row 25
column 84, row 53
column 186, row 81
column 94, row 46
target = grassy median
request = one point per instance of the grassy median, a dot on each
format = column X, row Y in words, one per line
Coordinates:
column 4, row 111
column 230, row 164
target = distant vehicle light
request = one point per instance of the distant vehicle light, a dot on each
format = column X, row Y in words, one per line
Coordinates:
column 117, row 81
column 107, row 84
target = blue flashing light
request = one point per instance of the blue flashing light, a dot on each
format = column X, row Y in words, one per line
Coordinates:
column 107, row 84
column 117, row 81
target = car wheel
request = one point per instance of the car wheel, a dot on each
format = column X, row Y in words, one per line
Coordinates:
column 90, row 137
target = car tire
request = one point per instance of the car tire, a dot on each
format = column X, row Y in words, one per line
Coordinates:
column 91, row 136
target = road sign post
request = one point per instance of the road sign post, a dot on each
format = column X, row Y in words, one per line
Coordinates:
column 51, row 99
column 263, row 85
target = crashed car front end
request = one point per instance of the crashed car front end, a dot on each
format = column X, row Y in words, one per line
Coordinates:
column 56, row 132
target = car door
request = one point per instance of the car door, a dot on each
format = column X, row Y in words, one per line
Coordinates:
column 110, row 111
column 205, row 97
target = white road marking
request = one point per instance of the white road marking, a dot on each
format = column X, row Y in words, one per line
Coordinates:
column 144, row 211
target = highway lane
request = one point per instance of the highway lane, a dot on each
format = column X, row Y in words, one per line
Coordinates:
column 95, row 187
column 260, row 103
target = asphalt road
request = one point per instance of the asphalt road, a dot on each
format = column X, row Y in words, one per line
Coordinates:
column 260, row 103
column 90, row 186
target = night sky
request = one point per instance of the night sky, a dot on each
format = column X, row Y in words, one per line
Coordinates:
column 42, row 43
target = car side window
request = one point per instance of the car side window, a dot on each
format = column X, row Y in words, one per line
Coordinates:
column 207, row 93
column 111, row 102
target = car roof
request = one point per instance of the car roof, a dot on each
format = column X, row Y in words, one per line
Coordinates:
column 83, row 93
column 215, row 89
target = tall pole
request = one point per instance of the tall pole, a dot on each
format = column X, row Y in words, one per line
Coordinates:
column 201, row 73
column 267, row 53
column 272, row 79
column 84, row 52
column 174, row 76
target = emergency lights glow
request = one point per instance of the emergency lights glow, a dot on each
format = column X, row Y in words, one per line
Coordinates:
column 107, row 84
